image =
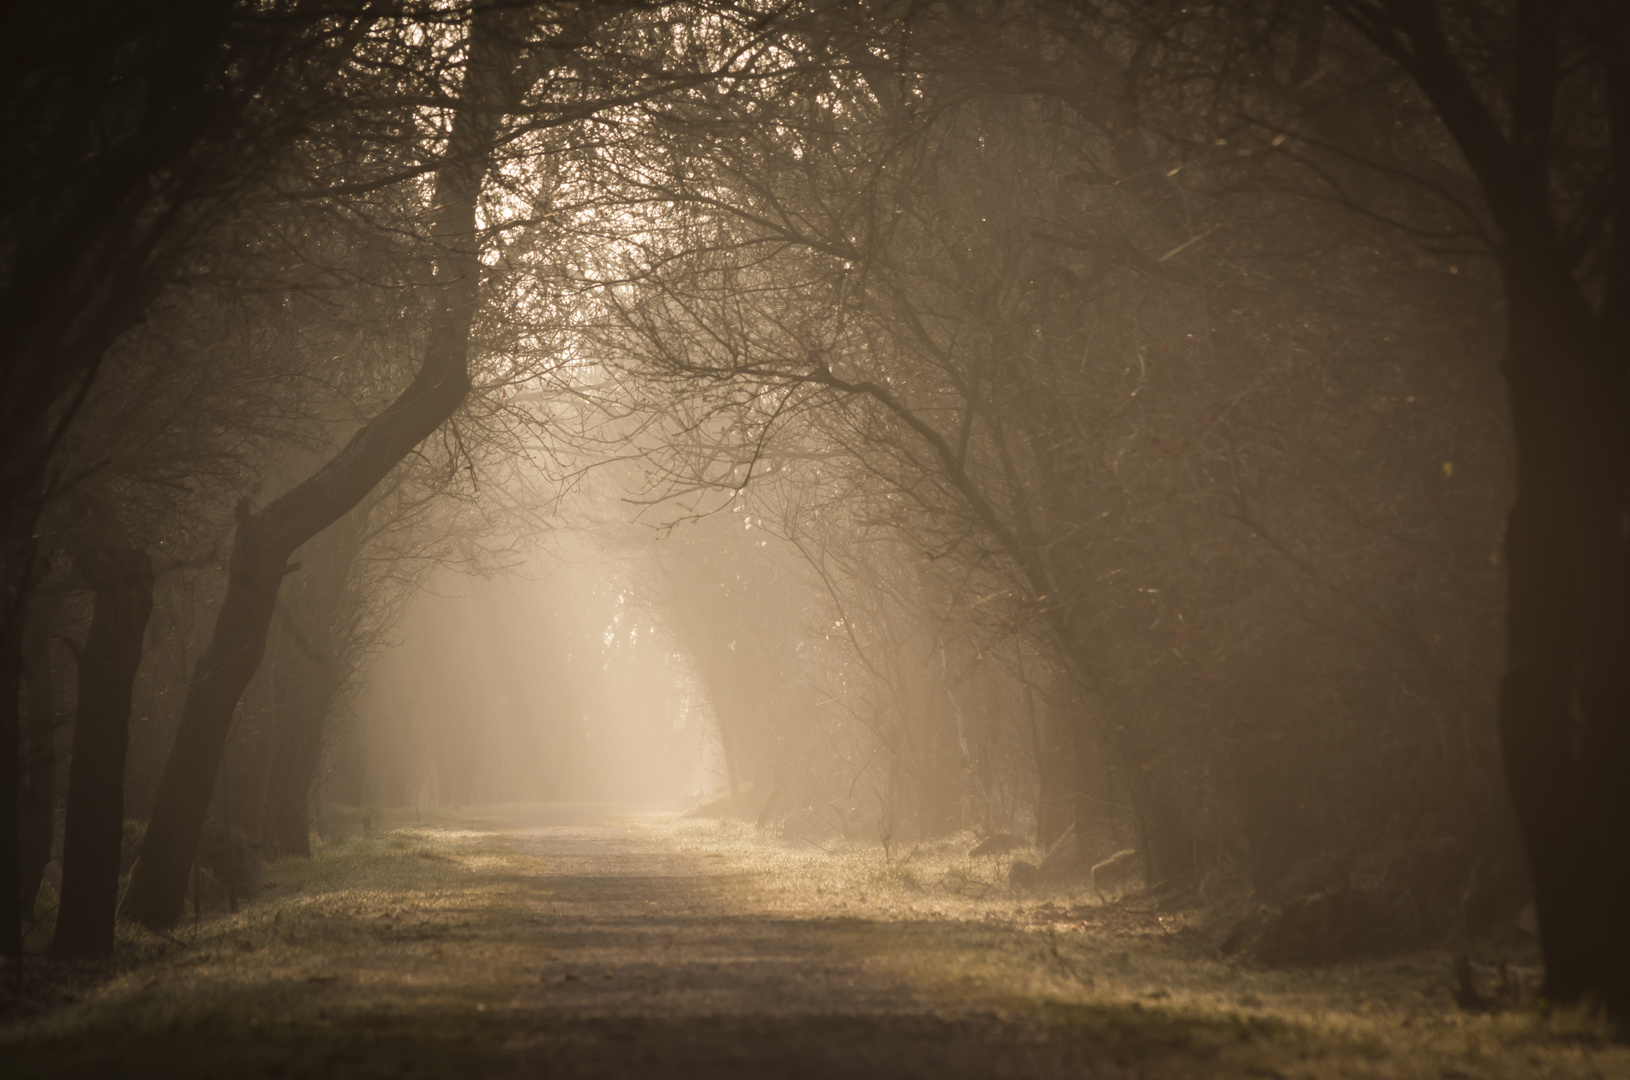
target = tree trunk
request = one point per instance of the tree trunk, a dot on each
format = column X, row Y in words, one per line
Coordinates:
column 714, row 674
column 39, row 749
column 307, row 677
column 266, row 539
column 304, row 696
column 11, row 668
column 146, row 91
column 1163, row 826
column 1053, row 745
column 1083, row 813
column 1164, row 834
column 122, row 578
column 1565, row 698
column 21, row 497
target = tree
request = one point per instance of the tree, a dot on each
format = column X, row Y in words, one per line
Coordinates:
column 982, row 294
column 1491, row 129
column 90, row 205
column 266, row 538
column 37, row 812
column 129, row 127
column 506, row 52
column 121, row 577
column 1533, row 95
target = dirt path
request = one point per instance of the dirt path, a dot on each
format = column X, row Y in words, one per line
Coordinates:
column 560, row 942
column 654, row 962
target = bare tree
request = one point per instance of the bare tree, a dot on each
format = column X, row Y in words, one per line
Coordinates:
column 1531, row 94
column 266, row 538
column 126, row 128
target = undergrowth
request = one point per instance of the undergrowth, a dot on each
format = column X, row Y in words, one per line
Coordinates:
column 430, row 928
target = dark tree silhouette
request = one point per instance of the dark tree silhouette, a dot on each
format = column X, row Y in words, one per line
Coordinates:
column 268, row 537
column 128, row 127
column 1534, row 95
column 121, row 578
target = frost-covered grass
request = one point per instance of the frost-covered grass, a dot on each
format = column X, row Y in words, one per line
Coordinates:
column 937, row 878
column 1131, row 975
column 403, row 927
column 440, row 942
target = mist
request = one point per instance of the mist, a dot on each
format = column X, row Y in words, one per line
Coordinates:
column 751, row 539
column 548, row 686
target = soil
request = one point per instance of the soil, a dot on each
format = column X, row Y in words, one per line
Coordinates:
column 585, row 942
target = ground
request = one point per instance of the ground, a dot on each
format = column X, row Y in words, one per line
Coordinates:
column 596, row 942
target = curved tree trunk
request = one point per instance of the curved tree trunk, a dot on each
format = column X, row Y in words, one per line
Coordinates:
column 266, row 539
column 122, row 578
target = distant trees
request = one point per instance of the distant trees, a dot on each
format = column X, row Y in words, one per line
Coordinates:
column 1130, row 359
column 977, row 296
column 1489, row 134
column 349, row 171
column 266, row 539
column 1047, row 274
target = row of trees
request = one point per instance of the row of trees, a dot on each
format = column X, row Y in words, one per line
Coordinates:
column 1166, row 335
column 1147, row 345
column 267, row 230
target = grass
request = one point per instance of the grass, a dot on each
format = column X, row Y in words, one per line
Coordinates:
column 457, row 941
column 1066, row 954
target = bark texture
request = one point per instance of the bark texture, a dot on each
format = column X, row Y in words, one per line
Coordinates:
column 266, row 539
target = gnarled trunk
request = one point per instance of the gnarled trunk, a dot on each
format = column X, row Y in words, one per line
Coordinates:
column 122, row 578
column 266, row 539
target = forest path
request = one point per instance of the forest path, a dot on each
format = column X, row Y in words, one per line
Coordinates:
column 595, row 942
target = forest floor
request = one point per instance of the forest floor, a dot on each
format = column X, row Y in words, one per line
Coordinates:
column 593, row 942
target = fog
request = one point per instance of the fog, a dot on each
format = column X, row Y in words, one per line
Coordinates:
column 548, row 682
column 903, row 537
